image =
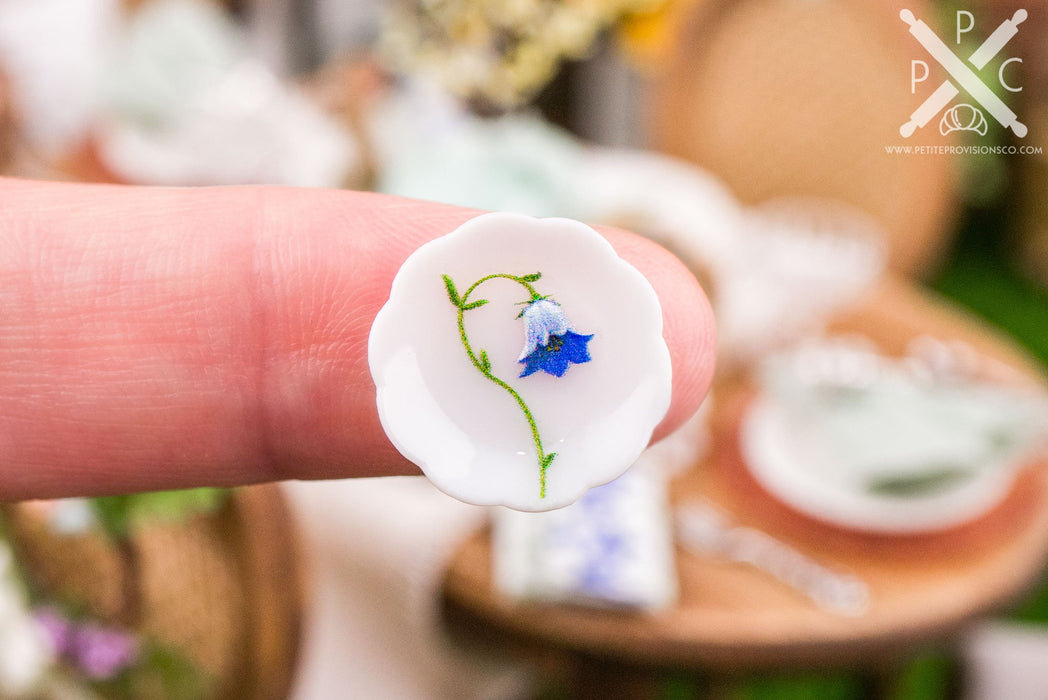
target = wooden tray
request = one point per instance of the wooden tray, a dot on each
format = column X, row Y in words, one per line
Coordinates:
column 733, row 618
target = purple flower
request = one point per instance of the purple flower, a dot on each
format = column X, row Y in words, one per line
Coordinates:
column 57, row 629
column 101, row 652
column 550, row 343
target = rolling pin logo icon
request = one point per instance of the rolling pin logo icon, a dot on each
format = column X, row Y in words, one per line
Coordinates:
column 963, row 76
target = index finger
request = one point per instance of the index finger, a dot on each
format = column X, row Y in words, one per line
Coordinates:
column 168, row 338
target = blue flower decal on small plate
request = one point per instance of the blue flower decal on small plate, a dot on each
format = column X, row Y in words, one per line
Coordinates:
column 550, row 343
column 531, row 427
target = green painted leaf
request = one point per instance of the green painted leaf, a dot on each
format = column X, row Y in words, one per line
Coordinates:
column 533, row 277
column 474, row 304
column 548, row 459
column 485, row 363
column 452, row 292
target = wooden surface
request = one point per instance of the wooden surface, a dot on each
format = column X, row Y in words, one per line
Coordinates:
column 262, row 532
column 733, row 618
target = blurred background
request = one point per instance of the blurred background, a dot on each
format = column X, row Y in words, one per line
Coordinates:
column 859, row 510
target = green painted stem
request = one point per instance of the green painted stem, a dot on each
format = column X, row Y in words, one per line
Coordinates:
column 484, row 367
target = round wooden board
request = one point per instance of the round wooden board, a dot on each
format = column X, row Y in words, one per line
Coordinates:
column 733, row 618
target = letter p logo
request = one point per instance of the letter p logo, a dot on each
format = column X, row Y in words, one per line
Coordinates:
column 913, row 74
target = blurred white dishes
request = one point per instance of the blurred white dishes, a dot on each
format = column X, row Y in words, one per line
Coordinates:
column 185, row 103
column 884, row 445
column 780, row 465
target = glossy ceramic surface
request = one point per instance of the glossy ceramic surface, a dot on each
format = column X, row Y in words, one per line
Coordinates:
column 448, row 370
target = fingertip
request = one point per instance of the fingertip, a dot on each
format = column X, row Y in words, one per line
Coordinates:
column 688, row 324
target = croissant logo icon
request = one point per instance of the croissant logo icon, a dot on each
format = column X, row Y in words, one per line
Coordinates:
column 964, row 75
column 963, row 117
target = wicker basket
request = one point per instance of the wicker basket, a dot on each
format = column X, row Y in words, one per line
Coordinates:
column 224, row 590
column 792, row 97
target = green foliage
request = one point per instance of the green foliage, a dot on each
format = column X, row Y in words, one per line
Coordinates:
column 120, row 515
column 990, row 288
column 981, row 276
column 815, row 686
column 930, row 676
column 680, row 686
column 161, row 672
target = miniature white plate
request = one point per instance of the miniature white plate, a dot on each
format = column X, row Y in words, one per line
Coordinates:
column 802, row 475
column 451, row 398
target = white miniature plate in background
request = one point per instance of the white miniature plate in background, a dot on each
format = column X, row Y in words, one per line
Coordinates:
column 781, row 463
column 884, row 444
column 453, row 401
